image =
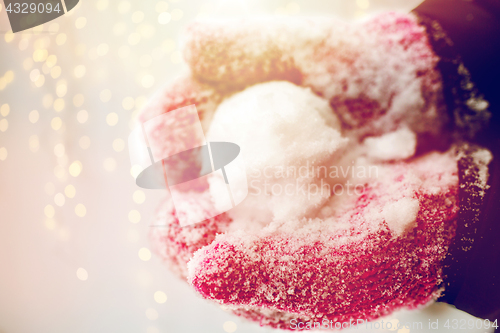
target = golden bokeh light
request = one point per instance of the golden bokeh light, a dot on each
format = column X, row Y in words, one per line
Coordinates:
column 50, row 224
column 59, row 199
column 55, row 72
column 102, row 49
column 394, row 324
column 140, row 101
column 61, row 88
column 164, row 18
column 105, row 95
column 40, row 80
column 134, row 216
column 42, row 43
column 84, row 142
column 54, row 27
column 102, row 5
column 118, row 145
column 59, row 150
column 34, row 74
column 64, row 234
column 139, row 197
column 40, row 55
column 177, row 14
column 152, row 329
column 363, row 4
column 135, row 170
column 146, row 30
column 109, row 164
column 70, row 191
column 56, row 123
column 49, row 211
column 161, row 6
column 9, row 76
column 61, row 39
column 160, row 297
column 23, row 44
column 82, row 274
column 176, row 57
column 145, row 60
column 80, row 210
column 148, row 81
column 137, row 17
column 80, row 49
column 34, row 143
column 144, row 254
column 112, row 119
column 27, row 63
column 5, row 110
column 63, row 160
column 119, row 28
column 151, row 314
column 123, row 7
column 124, row 51
column 51, row 61
column 80, row 22
column 47, row 101
column 9, row 37
column 4, row 125
column 75, row 168
column 134, row 38
column 128, row 103
column 3, row 153
column 34, row 116
column 82, row 116
column 59, row 104
column 78, row 100
column 229, row 326
column 60, row 172
column 80, row 71
column 168, row 45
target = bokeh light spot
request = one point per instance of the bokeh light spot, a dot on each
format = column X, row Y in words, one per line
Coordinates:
column 82, row 274
column 144, row 254
column 229, row 326
column 75, row 168
column 49, row 211
column 112, row 119
column 118, row 145
column 80, row 210
column 134, row 216
column 139, row 197
column 84, row 142
column 160, row 297
column 34, row 116
column 70, row 191
column 109, row 164
column 56, row 123
column 82, row 116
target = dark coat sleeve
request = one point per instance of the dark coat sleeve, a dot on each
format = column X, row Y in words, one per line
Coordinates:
column 466, row 36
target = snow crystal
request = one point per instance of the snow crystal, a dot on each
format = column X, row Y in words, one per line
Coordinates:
column 400, row 144
column 401, row 215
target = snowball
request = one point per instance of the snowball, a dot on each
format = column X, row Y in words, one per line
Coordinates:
column 284, row 132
